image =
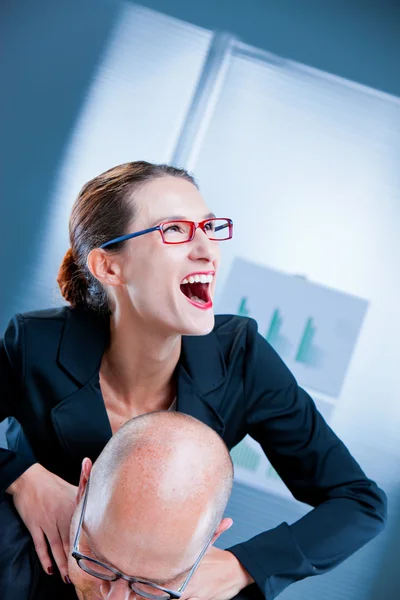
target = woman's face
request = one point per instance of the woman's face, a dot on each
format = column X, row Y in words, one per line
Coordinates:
column 153, row 272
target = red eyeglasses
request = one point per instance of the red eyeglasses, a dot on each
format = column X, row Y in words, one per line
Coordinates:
column 180, row 232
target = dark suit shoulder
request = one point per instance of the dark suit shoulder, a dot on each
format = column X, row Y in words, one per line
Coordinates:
column 236, row 338
column 241, row 343
column 32, row 331
column 34, row 337
column 58, row 313
column 235, row 331
column 234, row 325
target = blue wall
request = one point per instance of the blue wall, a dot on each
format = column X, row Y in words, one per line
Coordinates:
column 50, row 50
column 356, row 39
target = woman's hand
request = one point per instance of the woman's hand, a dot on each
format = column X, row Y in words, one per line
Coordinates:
column 220, row 576
column 45, row 503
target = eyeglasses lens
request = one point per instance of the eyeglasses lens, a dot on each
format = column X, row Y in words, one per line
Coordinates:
column 96, row 570
column 148, row 591
column 176, row 232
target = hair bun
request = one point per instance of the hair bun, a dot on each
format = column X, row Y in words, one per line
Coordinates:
column 71, row 281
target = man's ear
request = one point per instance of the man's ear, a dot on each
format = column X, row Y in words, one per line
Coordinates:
column 225, row 524
column 84, row 478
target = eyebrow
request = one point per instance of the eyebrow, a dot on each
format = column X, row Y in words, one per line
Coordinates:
column 179, row 218
column 163, row 583
column 97, row 554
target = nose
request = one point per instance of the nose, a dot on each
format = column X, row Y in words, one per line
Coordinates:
column 202, row 248
column 117, row 590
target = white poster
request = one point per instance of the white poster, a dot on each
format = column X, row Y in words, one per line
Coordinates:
column 313, row 328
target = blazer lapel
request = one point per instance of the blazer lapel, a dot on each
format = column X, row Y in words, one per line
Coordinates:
column 80, row 420
column 190, row 402
column 83, row 342
column 201, row 371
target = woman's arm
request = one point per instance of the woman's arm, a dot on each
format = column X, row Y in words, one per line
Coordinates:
column 12, row 464
column 350, row 509
column 44, row 501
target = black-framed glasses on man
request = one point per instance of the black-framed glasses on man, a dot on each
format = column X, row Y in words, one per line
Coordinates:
column 143, row 588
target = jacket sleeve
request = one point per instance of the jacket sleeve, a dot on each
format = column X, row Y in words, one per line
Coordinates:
column 12, row 464
column 349, row 509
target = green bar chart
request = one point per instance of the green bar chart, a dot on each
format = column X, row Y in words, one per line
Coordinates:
column 274, row 336
column 252, row 467
column 243, row 310
column 307, row 352
column 313, row 328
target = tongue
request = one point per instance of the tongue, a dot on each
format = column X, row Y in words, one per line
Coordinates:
column 198, row 292
column 196, row 299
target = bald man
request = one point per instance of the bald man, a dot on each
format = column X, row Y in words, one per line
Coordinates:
column 147, row 511
column 149, row 508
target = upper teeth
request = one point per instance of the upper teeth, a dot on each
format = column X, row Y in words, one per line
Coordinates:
column 198, row 279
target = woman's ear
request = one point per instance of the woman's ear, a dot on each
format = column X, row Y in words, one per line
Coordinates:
column 104, row 266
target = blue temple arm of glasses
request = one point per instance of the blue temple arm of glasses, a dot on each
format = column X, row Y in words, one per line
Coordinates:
column 122, row 238
column 221, row 227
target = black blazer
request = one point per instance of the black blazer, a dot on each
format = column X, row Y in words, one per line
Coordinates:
column 233, row 381
column 21, row 574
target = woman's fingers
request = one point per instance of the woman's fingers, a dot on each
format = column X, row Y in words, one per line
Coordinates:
column 64, row 529
column 45, row 503
column 58, row 552
column 42, row 550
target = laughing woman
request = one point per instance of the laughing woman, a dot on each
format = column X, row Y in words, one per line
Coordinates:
column 139, row 335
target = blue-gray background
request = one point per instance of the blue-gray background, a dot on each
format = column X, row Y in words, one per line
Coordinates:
column 50, row 53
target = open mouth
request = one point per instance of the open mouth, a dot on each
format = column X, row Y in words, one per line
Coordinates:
column 196, row 289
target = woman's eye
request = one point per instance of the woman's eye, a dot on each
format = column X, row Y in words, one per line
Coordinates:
column 173, row 229
column 209, row 226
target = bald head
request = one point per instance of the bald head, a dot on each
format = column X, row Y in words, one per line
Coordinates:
column 164, row 476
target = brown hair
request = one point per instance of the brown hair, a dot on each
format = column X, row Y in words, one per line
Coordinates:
column 101, row 212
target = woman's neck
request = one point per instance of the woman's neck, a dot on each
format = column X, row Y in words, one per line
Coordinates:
column 139, row 363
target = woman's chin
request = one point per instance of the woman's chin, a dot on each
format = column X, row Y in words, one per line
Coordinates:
column 201, row 325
